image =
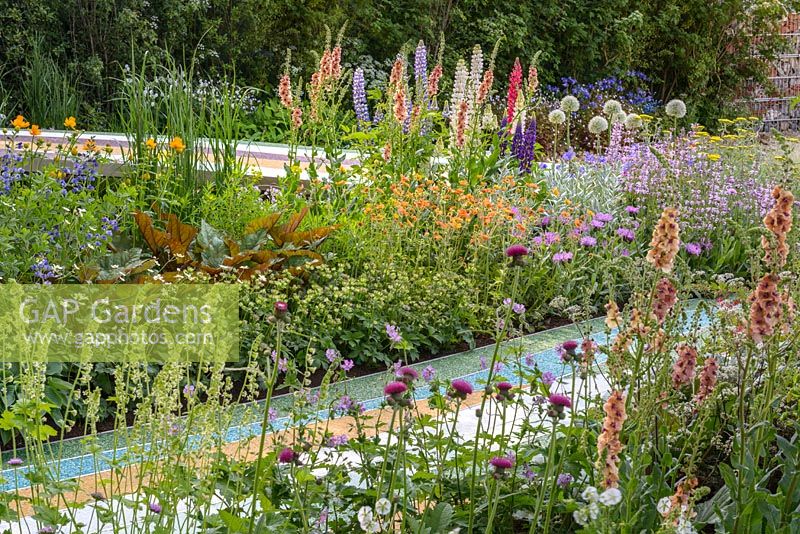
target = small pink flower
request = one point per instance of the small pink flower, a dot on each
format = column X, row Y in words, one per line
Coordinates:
column 461, row 388
column 287, row 456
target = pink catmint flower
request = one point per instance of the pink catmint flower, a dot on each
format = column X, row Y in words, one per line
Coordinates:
column 347, row 365
column 393, row 334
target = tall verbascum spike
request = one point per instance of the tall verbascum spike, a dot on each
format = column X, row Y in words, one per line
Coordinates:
column 666, row 242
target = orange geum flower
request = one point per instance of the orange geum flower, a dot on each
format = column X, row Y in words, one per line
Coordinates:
column 19, row 122
column 70, row 123
column 35, row 130
column 176, row 144
column 151, row 144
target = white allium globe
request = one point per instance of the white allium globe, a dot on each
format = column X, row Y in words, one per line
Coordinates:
column 598, row 125
column 570, row 104
column 556, row 117
column 612, row 107
column 675, row 108
column 618, row 118
column 633, row 121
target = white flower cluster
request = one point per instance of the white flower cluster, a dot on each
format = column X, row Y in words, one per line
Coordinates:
column 683, row 524
column 591, row 511
column 370, row 520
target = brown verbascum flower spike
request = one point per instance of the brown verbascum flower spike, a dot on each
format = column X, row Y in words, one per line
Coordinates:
column 666, row 241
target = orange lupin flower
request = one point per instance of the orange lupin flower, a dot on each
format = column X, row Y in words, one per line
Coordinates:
column 433, row 81
column 665, row 243
column 608, row 443
column 486, row 86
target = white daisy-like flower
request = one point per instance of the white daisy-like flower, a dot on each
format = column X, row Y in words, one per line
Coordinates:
column 612, row 107
column 664, row 505
column 633, row 121
column 523, row 515
column 610, row 497
column 589, row 494
column 570, row 104
column 556, row 117
column 675, row 108
column 383, row 506
column 598, row 125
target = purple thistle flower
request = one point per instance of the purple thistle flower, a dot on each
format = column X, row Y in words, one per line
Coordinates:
column 516, row 251
column 287, row 456
column 407, row 374
column 360, row 96
column 461, row 388
column 394, row 389
column 501, row 462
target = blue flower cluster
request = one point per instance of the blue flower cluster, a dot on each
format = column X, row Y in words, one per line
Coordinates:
column 81, row 176
column 10, row 170
column 630, row 88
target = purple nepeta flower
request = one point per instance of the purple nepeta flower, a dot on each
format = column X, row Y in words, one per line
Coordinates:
column 360, row 96
column 283, row 365
column 347, row 365
column 498, row 367
column 548, row 378
column 518, row 308
column 562, row 257
column 155, row 507
column 551, row 237
column 188, row 390
column 429, row 373
column 346, row 405
column 528, row 473
column 272, row 415
column 588, row 241
column 393, row 333
column 568, row 155
column 530, row 360
column 694, row 249
column 507, row 301
column 483, row 363
column 564, row 480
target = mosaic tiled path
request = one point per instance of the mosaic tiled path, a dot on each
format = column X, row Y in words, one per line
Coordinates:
column 77, row 462
column 262, row 159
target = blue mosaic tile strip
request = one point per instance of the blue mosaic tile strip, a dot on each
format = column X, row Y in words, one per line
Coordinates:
column 12, row 479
